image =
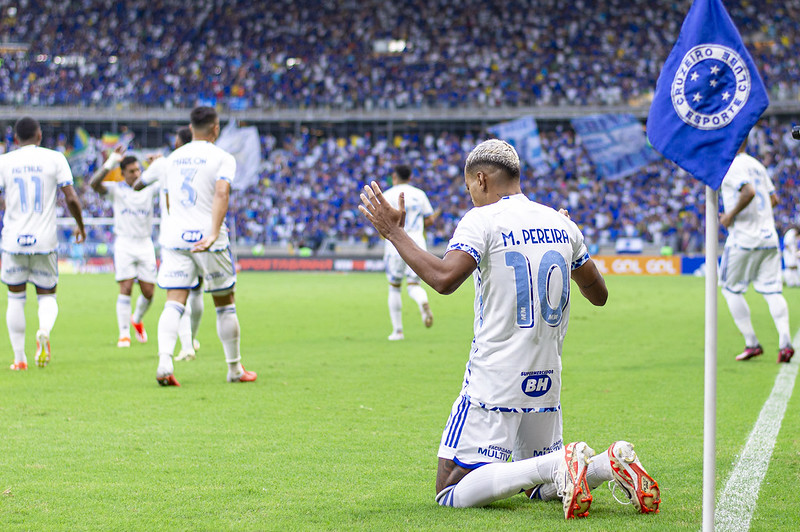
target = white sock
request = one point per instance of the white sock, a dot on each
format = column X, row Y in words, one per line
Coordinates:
column 396, row 308
column 740, row 313
column 196, row 306
column 168, row 327
column 493, row 482
column 599, row 470
column 48, row 312
column 185, row 329
column 418, row 294
column 228, row 332
column 780, row 315
column 142, row 304
column 15, row 320
column 124, row 315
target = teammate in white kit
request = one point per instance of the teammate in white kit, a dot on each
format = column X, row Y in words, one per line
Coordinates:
column 190, row 321
column 134, row 253
column 419, row 215
column 522, row 255
column 29, row 178
column 791, row 276
column 751, row 253
column 194, row 241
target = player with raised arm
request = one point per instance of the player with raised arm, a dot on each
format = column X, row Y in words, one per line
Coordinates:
column 521, row 255
column 194, row 242
column 134, row 253
column 29, row 177
column 190, row 321
column 751, row 253
column 419, row 215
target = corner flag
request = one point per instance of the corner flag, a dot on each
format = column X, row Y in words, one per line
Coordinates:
column 708, row 96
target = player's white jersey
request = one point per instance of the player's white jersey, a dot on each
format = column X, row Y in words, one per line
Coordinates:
column 191, row 176
column 790, row 248
column 754, row 226
column 418, row 207
column 133, row 210
column 525, row 253
column 29, row 178
column 156, row 171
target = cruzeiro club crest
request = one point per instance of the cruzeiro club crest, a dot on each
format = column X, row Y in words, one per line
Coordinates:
column 711, row 86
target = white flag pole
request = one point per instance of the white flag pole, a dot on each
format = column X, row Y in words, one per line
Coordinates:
column 710, row 404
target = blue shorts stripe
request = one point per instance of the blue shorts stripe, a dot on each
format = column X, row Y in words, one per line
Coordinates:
column 457, row 423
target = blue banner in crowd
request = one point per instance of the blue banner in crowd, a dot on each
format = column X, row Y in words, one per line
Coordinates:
column 523, row 134
column 616, row 143
column 708, row 96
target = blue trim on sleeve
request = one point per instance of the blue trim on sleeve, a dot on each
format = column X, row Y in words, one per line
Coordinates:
column 226, row 179
column 581, row 261
column 466, row 249
column 62, row 185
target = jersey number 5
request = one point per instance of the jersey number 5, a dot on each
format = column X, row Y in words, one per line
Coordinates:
column 551, row 265
column 190, row 194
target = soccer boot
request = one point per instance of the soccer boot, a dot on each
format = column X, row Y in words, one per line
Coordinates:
column 164, row 373
column 42, row 349
column 18, row 366
column 396, row 335
column 124, row 341
column 629, row 475
column 141, row 334
column 785, row 354
column 243, row 376
column 185, row 354
column 427, row 315
column 571, row 482
column 750, row 352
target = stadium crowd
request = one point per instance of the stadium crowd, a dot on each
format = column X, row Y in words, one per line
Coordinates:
column 327, row 54
column 304, row 194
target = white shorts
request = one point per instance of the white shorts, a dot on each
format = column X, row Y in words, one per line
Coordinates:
column 39, row 269
column 789, row 258
column 180, row 269
column 475, row 436
column 135, row 258
column 740, row 267
column 396, row 269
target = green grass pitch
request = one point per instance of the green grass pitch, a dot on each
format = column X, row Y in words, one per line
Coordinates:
column 341, row 429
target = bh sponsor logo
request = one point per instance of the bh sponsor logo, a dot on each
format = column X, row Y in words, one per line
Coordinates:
column 26, row 240
column 536, row 385
column 192, row 236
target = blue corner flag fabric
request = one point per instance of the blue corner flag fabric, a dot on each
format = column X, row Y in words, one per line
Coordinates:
column 708, row 96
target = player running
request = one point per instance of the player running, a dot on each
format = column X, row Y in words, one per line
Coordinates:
column 194, row 241
column 522, row 255
column 134, row 253
column 751, row 253
column 419, row 215
column 29, row 178
column 791, row 276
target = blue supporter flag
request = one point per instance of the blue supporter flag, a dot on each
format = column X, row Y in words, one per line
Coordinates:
column 523, row 134
column 615, row 143
column 708, row 96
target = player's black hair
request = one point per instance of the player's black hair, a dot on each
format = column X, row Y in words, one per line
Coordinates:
column 128, row 159
column 203, row 117
column 26, row 128
column 184, row 135
column 403, row 171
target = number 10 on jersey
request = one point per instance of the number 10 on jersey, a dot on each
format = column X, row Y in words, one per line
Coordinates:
column 552, row 268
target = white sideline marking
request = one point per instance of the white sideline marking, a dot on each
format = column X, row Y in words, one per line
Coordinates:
column 738, row 500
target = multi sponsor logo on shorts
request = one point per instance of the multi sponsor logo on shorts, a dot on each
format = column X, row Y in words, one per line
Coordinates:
column 192, row 236
column 176, row 274
column 496, row 452
column 547, row 450
column 26, row 240
column 536, row 383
